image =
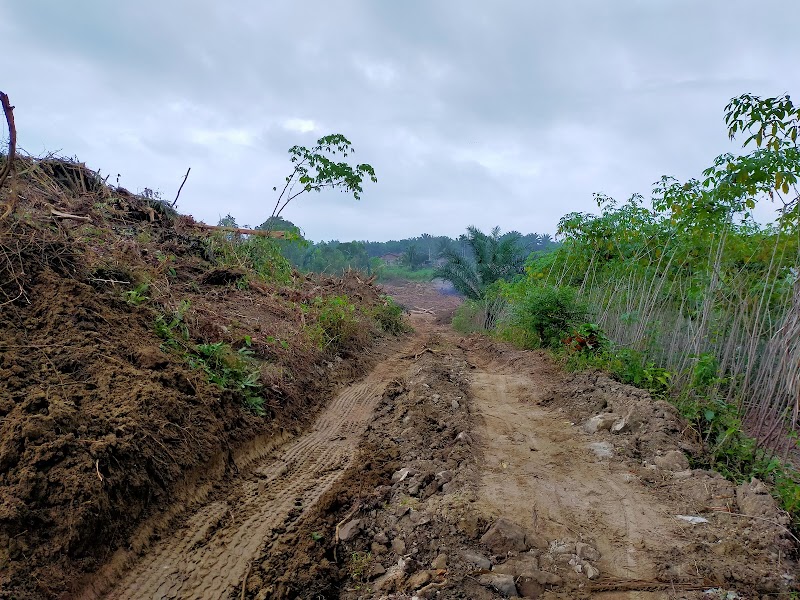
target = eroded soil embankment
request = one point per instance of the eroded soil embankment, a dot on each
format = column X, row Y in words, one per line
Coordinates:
column 486, row 472
column 114, row 320
column 211, row 553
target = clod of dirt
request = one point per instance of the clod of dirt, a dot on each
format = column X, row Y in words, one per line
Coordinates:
column 504, row 537
column 502, row 583
column 674, row 460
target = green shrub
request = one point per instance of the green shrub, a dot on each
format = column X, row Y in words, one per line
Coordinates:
column 546, row 313
column 389, row 316
column 335, row 321
column 469, row 317
column 230, row 370
column 259, row 254
column 137, row 295
column 222, row 365
column 172, row 329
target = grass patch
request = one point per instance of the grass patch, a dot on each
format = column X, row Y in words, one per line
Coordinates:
column 402, row 273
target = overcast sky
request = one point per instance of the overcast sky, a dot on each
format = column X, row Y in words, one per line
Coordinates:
column 501, row 112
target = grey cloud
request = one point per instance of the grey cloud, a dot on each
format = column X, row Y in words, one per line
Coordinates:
column 509, row 113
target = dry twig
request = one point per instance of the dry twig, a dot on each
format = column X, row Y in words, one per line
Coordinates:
column 246, row 575
column 175, row 202
column 62, row 215
column 259, row 232
column 12, row 147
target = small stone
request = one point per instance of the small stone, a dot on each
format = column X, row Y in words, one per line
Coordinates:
column 430, row 489
column 350, row 530
column 524, row 565
column 536, row 540
column 390, row 580
column 601, row 449
column 450, row 487
column 417, row 580
column 591, row 572
column 504, row 536
column 620, row 426
column 586, row 551
column 378, row 549
column 601, row 422
column 528, row 587
column 419, row 518
column 381, row 538
column 502, row 583
column 398, row 546
column 400, row 475
column 376, row 571
column 546, row 578
column 445, row 476
column 561, row 547
column 454, row 404
column 479, row 560
column 440, row 562
column 464, row 438
column 682, row 475
column 674, row 460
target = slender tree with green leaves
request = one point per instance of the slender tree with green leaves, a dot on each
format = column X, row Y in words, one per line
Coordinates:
column 316, row 170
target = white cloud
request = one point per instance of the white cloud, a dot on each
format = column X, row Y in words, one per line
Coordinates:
column 299, row 125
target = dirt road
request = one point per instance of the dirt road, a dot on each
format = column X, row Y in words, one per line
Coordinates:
column 398, row 488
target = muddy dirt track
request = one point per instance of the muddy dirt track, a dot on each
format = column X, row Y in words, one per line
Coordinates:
column 459, row 468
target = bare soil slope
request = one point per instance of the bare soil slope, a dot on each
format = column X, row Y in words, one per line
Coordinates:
column 105, row 434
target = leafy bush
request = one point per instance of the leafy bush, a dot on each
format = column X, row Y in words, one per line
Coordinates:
column 262, row 255
column 173, row 329
column 389, row 316
column 335, row 320
column 587, row 338
column 469, row 317
column 222, row 365
column 546, row 313
column 137, row 295
column 230, row 370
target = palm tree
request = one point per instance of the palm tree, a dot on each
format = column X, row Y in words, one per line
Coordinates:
column 493, row 258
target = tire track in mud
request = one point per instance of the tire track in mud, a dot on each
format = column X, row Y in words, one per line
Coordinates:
column 210, row 555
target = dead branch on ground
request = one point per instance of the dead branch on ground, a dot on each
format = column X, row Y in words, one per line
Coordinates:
column 62, row 215
column 259, row 232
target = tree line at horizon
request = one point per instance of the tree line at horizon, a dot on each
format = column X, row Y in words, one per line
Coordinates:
column 414, row 253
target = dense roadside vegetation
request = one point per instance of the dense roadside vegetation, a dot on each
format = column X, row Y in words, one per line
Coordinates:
column 410, row 259
column 688, row 295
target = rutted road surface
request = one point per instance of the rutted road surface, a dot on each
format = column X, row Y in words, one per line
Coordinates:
column 397, row 491
column 211, row 554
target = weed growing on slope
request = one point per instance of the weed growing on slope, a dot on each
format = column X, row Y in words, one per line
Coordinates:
column 334, row 321
column 231, row 370
column 137, row 295
column 389, row 316
column 228, row 368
